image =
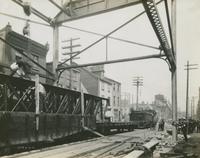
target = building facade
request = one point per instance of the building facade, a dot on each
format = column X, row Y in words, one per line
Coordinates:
column 162, row 107
column 96, row 83
column 66, row 80
column 23, row 44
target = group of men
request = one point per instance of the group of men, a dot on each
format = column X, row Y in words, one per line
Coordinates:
column 187, row 127
column 183, row 126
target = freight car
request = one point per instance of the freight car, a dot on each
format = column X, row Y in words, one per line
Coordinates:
column 60, row 114
column 144, row 119
column 32, row 111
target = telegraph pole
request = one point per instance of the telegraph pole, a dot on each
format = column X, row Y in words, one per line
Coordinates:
column 137, row 81
column 188, row 68
column 70, row 53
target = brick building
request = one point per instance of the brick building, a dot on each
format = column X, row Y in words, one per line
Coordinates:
column 31, row 48
column 64, row 78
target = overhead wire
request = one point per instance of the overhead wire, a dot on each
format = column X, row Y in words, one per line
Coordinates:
column 111, row 37
column 99, row 40
column 81, row 30
column 24, row 19
column 107, row 35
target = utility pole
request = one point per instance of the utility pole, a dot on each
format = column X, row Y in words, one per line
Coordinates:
column 70, row 53
column 137, row 81
column 188, row 68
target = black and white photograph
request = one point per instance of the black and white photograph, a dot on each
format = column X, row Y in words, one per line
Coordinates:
column 100, row 78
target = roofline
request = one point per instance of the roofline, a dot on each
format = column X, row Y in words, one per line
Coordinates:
column 112, row 80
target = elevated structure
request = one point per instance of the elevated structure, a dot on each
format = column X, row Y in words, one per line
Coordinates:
column 75, row 9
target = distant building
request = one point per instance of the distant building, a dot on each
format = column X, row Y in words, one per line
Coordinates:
column 96, row 83
column 64, row 78
column 115, row 99
column 126, row 106
column 32, row 49
column 162, row 107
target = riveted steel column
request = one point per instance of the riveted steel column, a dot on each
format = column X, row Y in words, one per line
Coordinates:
column 55, row 47
column 174, row 72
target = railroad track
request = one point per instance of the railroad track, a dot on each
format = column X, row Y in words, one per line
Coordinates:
column 115, row 149
column 108, row 146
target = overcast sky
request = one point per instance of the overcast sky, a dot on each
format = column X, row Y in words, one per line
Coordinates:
column 156, row 74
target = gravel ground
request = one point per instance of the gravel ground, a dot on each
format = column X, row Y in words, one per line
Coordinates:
column 190, row 148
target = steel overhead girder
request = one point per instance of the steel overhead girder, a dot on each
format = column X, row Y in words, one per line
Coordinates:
column 82, row 8
column 153, row 15
column 34, row 11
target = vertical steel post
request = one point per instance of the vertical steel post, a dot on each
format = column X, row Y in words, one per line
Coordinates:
column 55, row 47
column 106, row 48
column 82, row 108
column 70, row 82
column 37, row 100
column 174, row 71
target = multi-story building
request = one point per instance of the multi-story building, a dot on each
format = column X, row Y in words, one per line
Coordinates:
column 23, row 44
column 116, row 99
column 97, row 84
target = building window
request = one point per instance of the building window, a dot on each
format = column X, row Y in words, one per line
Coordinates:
column 118, row 101
column 113, row 100
column 114, row 86
column 118, row 87
column 108, row 89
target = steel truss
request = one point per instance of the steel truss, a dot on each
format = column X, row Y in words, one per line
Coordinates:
column 153, row 15
column 18, row 95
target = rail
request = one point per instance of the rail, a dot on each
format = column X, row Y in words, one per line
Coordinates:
column 145, row 149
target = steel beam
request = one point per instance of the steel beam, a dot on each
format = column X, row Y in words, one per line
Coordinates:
column 34, row 11
column 59, row 7
column 174, row 73
column 153, row 15
column 84, row 8
column 112, row 61
column 55, row 48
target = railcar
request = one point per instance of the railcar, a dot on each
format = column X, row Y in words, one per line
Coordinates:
column 143, row 119
column 32, row 112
